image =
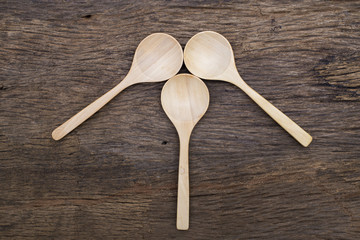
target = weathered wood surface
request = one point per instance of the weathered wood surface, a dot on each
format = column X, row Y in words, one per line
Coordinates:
column 115, row 177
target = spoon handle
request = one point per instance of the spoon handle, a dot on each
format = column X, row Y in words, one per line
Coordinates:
column 87, row 112
column 182, row 218
column 284, row 121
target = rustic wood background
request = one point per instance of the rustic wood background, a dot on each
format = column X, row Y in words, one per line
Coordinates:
column 115, row 177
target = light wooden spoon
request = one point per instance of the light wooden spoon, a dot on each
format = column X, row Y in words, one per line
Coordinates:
column 209, row 55
column 185, row 99
column 157, row 58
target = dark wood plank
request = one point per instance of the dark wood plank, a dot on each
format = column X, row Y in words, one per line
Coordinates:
column 115, row 177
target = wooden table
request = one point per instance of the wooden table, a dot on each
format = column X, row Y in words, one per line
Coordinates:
column 115, row 176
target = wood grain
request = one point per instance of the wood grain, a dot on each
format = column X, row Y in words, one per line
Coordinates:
column 115, row 177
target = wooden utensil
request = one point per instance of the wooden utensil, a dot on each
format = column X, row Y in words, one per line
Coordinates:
column 185, row 99
column 209, row 55
column 157, row 58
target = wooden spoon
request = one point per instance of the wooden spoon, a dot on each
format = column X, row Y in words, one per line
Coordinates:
column 157, row 58
column 185, row 99
column 209, row 55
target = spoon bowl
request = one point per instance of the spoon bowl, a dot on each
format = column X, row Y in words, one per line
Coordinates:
column 209, row 55
column 185, row 99
column 157, row 58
